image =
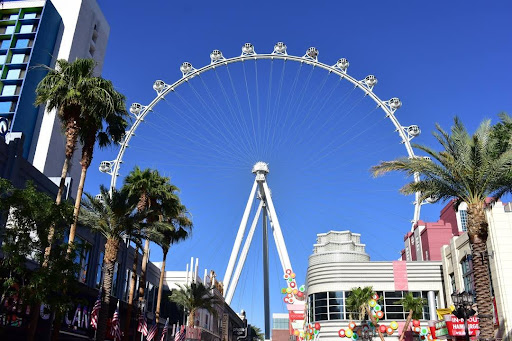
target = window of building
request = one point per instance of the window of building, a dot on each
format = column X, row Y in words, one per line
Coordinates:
column 30, row 16
column 5, row 44
column 150, row 292
column 5, row 107
column 99, row 271
column 83, row 249
column 467, row 274
column 18, row 58
column 280, row 323
column 114, row 279
column 21, row 43
column 464, row 220
column 9, row 90
column 26, row 28
column 452, row 281
column 13, row 74
column 3, row 58
column 13, row 17
column 8, row 29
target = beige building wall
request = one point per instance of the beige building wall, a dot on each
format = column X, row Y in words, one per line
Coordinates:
column 499, row 245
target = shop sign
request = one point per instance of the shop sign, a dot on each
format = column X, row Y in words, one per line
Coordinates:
column 296, row 316
column 456, row 326
column 438, row 328
column 225, row 323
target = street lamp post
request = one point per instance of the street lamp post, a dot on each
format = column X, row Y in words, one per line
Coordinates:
column 463, row 302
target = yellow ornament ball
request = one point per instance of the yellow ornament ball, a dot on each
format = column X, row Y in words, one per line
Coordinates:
column 289, row 290
column 296, row 332
column 394, row 325
column 372, row 303
column 349, row 333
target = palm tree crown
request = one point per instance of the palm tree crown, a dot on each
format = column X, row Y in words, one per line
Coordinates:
column 193, row 297
column 414, row 304
column 469, row 169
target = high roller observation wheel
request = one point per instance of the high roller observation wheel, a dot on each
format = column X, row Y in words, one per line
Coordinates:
column 406, row 133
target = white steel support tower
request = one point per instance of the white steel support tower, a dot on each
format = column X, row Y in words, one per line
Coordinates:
column 261, row 191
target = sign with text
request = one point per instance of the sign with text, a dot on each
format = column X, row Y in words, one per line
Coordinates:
column 225, row 325
column 456, row 326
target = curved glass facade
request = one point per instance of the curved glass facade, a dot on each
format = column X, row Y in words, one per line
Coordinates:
column 325, row 306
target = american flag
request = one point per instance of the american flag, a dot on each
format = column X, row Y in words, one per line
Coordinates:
column 95, row 311
column 115, row 332
column 143, row 324
column 180, row 334
column 164, row 332
column 152, row 331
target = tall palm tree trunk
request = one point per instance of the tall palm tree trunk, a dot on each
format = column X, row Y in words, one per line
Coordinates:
column 191, row 317
column 87, row 151
column 406, row 325
column 131, row 293
column 478, row 232
column 111, row 249
column 160, row 288
column 71, row 138
column 142, row 282
column 374, row 322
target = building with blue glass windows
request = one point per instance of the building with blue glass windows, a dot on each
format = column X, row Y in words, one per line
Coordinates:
column 33, row 35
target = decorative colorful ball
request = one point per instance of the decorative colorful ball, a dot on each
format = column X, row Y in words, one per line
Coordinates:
column 296, row 332
column 317, row 326
column 301, row 334
column 380, row 314
column 286, row 300
column 341, row 332
column 291, row 280
column 300, row 294
column 366, row 328
column 283, row 290
column 416, row 323
column 355, row 336
column 351, row 325
column 377, row 320
column 375, row 296
column 292, row 274
column 372, row 303
column 292, row 284
column 424, row 331
column 417, row 329
column 377, row 307
column 286, row 276
column 316, row 331
column 390, row 331
column 382, row 328
column 302, row 288
column 288, row 290
column 291, row 300
column 288, row 271
column 394, row 325
column 295, row 291
column 349, row 333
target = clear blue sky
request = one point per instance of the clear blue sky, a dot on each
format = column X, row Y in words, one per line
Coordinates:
column 441, row 59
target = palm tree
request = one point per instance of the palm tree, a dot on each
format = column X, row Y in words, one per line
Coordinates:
column 61, row 89
column 114, row 218
column 150, row 191
column 469, row 170
column 193, row 297
column 104, row 123
column 357, row 301
column 415, row 307
column 181, row 227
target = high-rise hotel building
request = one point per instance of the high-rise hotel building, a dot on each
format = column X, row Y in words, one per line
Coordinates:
column 33, row 35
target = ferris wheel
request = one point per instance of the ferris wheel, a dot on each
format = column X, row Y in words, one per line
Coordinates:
column 310, row 59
